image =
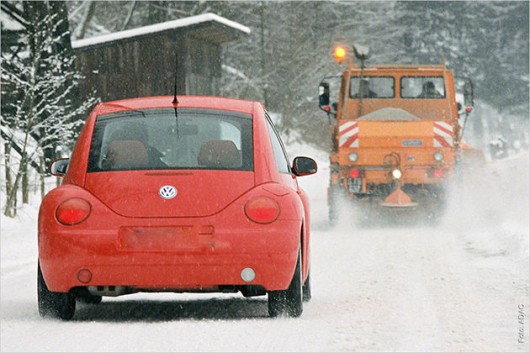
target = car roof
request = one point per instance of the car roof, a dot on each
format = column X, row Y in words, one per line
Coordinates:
column 206, row 102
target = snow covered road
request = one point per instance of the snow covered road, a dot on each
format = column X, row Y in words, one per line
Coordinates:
column 458, row 286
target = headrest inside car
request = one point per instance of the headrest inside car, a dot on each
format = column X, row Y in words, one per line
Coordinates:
column 219, row 153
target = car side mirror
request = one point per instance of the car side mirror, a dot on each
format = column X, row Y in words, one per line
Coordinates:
column 304, row 166
column 59, row 167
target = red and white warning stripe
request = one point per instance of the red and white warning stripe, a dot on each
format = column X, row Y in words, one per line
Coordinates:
column 443, row 134
column 349, row 134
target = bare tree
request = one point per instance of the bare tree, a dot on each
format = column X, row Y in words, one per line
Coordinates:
column 44, row 118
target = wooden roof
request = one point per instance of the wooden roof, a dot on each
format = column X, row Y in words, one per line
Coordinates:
column 210, row 27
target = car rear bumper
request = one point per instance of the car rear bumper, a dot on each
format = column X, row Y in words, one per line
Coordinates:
column 203, row 257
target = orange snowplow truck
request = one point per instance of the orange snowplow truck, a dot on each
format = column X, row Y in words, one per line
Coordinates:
column 396, row 133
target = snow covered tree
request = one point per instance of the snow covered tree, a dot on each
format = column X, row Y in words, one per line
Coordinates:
column 42, row 118
column 487, row 41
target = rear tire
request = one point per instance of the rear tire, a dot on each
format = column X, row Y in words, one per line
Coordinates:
column 288, row 302
column 53, row 304
column 306, row 288
column 89, row 299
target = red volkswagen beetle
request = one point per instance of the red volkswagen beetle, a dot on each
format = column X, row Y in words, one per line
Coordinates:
column 197, row 196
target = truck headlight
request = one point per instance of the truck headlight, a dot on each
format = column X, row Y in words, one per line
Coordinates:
column 396, row 173
column 353, row 157
column 438, row 156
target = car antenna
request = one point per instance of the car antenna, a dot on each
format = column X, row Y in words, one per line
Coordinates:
column 175, row 99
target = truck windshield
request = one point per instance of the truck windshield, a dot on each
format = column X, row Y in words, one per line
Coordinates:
column 422, row 87
column 160, row 139
column 371, row 87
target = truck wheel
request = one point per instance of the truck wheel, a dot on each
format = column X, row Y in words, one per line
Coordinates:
column 288, row 302
column 53, row 304
column 334, row 204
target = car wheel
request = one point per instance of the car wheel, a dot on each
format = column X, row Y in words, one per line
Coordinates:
column 288, row 302
column 89, row 299
column 306, row 288
column 82, row 295
column 52, row 304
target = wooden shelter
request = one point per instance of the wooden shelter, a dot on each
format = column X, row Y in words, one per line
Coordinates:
column 142, row 61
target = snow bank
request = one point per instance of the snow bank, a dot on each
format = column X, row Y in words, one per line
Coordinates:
column 489, row 207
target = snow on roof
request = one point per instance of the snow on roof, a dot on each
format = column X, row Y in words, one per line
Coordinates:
column 389, row 114
column 159, row 27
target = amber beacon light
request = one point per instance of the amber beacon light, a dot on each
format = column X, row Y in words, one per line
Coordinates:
column 340, row 53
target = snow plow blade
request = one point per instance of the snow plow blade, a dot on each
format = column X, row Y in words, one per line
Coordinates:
column 398, row 198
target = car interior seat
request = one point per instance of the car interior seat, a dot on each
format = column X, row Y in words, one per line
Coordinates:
column 127, row 154
column 219, row 154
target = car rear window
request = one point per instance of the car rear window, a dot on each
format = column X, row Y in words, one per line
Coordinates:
column 169, row 139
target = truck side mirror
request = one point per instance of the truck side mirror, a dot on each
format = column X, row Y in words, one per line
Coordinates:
column 468, row 95
column 323, row 95
column 326, row 97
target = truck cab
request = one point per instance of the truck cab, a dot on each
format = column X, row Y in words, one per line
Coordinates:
column 396, row 133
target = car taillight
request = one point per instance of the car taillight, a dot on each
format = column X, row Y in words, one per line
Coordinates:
column 73, row 211
column 262, row 210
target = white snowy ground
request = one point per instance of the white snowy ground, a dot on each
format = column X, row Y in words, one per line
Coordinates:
column 462, row 285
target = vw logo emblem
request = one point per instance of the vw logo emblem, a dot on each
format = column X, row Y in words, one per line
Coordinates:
column 167, row 192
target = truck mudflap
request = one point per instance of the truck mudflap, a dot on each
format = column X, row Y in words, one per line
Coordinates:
column 398, row 198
